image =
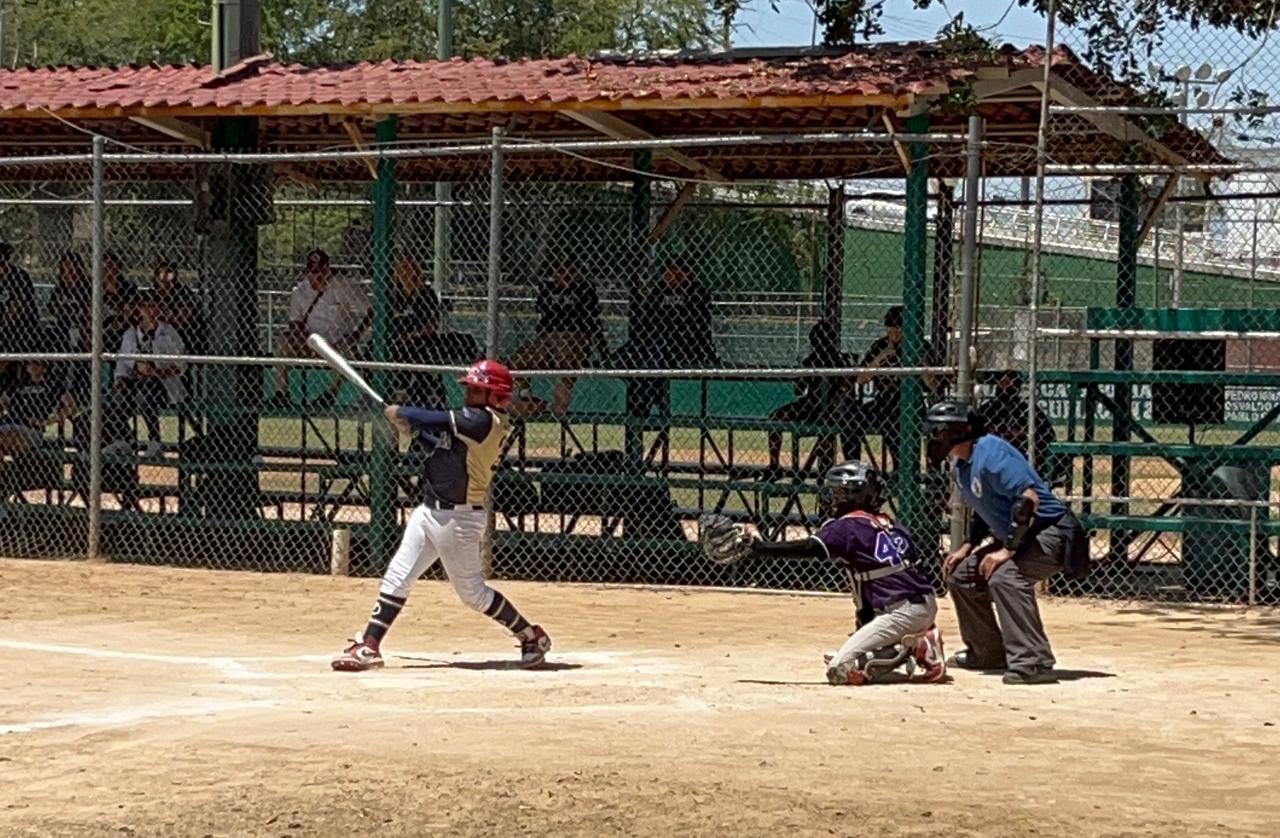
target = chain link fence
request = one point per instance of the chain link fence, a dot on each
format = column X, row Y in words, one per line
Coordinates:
column 681, row 344
column 1152, row 338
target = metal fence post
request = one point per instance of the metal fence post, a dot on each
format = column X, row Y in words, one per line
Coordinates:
column 495, row 245
column 1253, row 555
column 94, row 546
column 968, row 282
column 1037, row 236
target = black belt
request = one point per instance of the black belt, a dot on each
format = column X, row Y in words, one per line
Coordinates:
column 445, row 506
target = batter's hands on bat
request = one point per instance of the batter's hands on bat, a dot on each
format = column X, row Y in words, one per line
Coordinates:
column 390, row 411
column 992, row 561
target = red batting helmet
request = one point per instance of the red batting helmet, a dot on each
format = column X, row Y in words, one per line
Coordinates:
column 491, row 377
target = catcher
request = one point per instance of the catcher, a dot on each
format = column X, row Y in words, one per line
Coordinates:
column 881, row 560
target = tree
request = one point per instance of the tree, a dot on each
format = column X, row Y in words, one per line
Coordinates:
column 1119, row 35
column 328, row 31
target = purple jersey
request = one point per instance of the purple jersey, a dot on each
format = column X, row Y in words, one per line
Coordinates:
column 865, row 544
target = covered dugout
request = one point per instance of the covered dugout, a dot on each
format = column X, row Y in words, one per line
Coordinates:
column 784, row 115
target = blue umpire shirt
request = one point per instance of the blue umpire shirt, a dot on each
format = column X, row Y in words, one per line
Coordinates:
column 994, row 476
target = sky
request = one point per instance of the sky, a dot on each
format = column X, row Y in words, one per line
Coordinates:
column 792, row 24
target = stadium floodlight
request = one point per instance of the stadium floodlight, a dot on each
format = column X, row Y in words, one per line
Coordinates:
column 1182, row 74
column 1179, row 100
column 1204, row 71
column 1202, row 99
column 1224, row 75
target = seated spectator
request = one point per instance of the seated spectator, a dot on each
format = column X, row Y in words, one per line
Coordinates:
column 18, row 318
column 415, row 336
column 37, row 400
column 71, row 308
column 146, row 386
column 327, row 305
column 880, row 415
column 1007, row 413
column 569, row 332
column 179, row 306
column 671, row 327
column 119, row 300
column 816, row 396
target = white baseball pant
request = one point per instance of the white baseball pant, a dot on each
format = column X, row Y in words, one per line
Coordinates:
column 896, row 624
column 450, row 535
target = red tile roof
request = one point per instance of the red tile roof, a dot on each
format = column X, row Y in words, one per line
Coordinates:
column 896, row 71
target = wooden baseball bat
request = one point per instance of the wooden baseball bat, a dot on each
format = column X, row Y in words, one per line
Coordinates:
column 340, row 365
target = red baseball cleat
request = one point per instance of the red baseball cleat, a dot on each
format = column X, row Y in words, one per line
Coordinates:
column 931, row 658
column 361, row 655
column 534, row 645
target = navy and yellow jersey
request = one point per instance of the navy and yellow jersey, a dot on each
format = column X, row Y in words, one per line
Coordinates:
column 465, row 446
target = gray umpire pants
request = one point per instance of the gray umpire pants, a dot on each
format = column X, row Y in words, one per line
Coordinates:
column 1018, row 641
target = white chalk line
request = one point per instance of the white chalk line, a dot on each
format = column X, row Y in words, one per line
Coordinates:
column 132, row 715
column 238, row 667
column 440, row 676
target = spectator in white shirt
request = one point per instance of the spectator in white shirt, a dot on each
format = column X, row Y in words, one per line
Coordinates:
column 150, row 384
column 326, row 305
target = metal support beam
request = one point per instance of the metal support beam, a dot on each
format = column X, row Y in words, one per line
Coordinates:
column 968, row 295
column 638, row 277
column 619, row 129
column 833, row 276
column 910, row 404
column 1126, row 297
column 943, row 265
column 496, row 185
column 94, row 500
column 382, row 490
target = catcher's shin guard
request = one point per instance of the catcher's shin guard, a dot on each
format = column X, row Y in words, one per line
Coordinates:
column 865, row 668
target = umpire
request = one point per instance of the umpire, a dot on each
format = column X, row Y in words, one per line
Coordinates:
column 1021, row 534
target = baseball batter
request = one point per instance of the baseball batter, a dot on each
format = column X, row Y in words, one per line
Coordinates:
column 465, row 446
column 881, row 559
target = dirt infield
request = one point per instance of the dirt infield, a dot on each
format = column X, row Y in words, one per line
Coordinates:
column 144, row 701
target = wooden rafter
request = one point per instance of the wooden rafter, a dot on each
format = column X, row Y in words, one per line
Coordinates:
column 619, row 129
column 986, row 88
column 178, row 129
column 357, row 139
column 1065, row 93
column 897, row 146
column 672, row 212
column 824, row 102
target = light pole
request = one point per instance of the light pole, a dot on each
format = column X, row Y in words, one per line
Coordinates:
column 1204, row 76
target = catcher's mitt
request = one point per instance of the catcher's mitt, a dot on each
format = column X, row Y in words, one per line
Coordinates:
column 722, row 540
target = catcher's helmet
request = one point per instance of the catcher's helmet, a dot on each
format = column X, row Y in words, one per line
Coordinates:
column 492, row 377
column 850, row 486
column 951, row 423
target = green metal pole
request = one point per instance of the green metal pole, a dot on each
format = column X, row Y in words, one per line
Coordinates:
column 381, row 484
column 641, row 276
column 1126, row 298
column 910, row 404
